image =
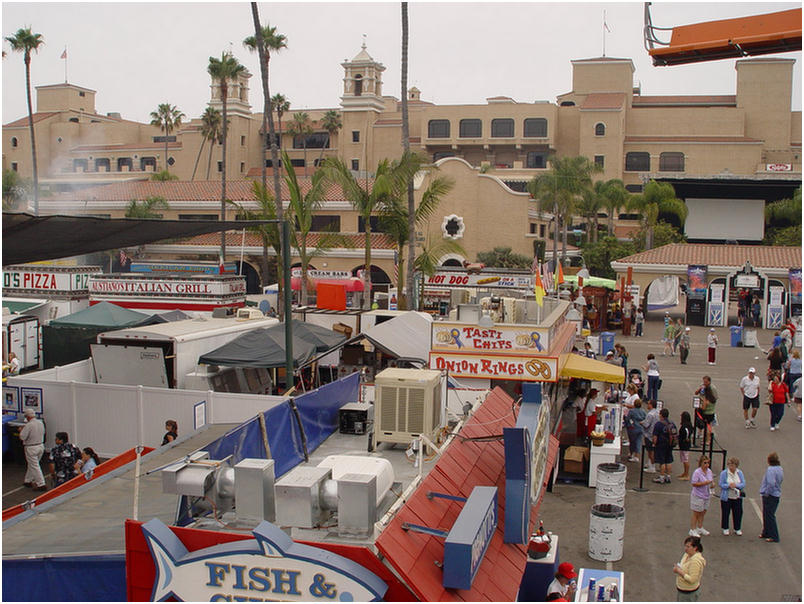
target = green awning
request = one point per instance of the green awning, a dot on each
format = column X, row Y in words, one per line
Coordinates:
column 593, row 281
column 20, row 306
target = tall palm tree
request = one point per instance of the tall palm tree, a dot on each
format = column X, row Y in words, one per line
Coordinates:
column 148, row 208
column 394, row 221
column 25, row 41
column 331, row 122
column 588, row 205
column 406, row 147
column 167, row 117
column 300, row 126
column 223, row 70
column 271, row 41
column 560, row 188
column 301, row 207
column 210, row 131
column 656, row 198
column 615, row 196
column 390, row 181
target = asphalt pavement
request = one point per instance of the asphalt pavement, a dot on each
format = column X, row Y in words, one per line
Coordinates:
column 739, row 568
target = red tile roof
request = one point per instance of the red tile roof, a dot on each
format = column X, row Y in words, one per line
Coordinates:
column 704, row 100
column 604, row 100
column 760, row 256
column 37, row 117
column 379, row 241
column 464, row 465
column 183, row 190
column 125, row 147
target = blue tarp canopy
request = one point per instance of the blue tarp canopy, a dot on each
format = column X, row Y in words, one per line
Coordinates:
column 266, row 347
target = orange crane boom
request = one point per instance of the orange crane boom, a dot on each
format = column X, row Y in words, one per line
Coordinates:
column 725, row 39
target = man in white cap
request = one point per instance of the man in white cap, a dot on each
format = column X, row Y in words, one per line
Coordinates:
column 711, row 345
column 32, row 436
column 749, row 387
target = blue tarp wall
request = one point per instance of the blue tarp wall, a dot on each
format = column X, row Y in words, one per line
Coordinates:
column 65, row 579
column 288, row 434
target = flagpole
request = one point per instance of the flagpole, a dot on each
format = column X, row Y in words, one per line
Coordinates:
column 64, row 56
column 604, row 32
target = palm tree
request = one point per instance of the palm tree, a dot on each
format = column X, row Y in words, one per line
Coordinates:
column 390, row 181
column 167, row 117
column 560, row 188
column 268, row 233
column 281, row 105
column 14, row 188
column 394, row 221
column 224, row 69
column 656, row 198
column 25, row 41
column 426, row 262
column 301, row 207
column 615, row 196
column 148, row 208
column 406, row 147
column 300, row 126
column 588, row 205
column 210, row 130
column 271, row 41
column 331, row 122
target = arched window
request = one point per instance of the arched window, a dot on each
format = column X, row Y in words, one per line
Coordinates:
column 14, row 141
column 438, row 129
column 358, row 85
column 600, row 129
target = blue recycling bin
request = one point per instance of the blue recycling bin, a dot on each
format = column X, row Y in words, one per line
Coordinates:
column 606, row 342
column 736, row 335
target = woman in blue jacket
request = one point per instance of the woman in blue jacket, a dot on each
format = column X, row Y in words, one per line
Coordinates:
column 732, row 485
column 771, row 491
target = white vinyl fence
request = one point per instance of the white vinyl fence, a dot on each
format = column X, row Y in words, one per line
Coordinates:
column 111, row 418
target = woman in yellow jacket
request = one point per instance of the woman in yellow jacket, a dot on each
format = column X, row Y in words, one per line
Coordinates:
column 690, row 570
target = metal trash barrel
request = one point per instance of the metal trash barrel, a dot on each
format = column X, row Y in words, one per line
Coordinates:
column 606, row 529
column 610, row 487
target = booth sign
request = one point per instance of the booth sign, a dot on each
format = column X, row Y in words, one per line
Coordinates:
column 513, row 339
column 457, row 279
column 48, row 279
column 469, row 538
column 270, row 567
column 496, row 366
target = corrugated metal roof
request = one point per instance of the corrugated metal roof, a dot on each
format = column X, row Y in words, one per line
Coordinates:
column 463, row 466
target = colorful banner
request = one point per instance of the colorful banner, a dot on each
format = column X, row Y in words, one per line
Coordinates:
column 795, row 285
column 514, row 339
column 696, row 277
column 484, row 279
column 496, row 366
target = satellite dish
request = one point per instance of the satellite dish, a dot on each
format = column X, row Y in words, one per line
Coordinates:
column 265, row 307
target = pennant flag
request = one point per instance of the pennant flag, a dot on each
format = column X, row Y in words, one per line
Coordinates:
column 538, row 289
column 64, row 54
column 560, row 277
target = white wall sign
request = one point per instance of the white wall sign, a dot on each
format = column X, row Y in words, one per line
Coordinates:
column 779, row 167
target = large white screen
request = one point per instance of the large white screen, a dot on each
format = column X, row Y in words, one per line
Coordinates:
column 740, row 219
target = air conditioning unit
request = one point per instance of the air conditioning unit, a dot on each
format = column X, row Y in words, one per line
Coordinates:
column 407, row 404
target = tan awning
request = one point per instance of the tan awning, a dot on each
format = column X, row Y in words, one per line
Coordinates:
column 577, row 366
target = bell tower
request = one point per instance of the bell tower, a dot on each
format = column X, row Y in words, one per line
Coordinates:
column 362, row 83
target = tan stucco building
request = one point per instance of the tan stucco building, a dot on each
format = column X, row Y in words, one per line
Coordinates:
column 715, row 149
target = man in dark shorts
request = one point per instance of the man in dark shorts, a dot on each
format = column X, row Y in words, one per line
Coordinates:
column 749, row 387
column 663, row 446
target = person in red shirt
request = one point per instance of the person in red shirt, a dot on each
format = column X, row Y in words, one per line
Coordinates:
column 779, row 396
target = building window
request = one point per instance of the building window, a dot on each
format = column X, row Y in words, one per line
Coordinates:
column 600, row 161
column 14, row 141
column 242, row 140
column 452, row 227
column 270, row 164
column 242, row 167
column 630, row 216
column 146, row 162
column 535, row 127
column 536, row 159
column 671, row 161
column 80, row 93
column 541, row 231
column 600, row 129
column 79, row 165
column 317, row 140
column 14, row 166
column 198, row 216
column 102, row 164
column 502, row 128
column 532, row 228
column 471, row 129
column 438, row 129
column 355, row 136
column 220, row 166
column 161, row 139
column 355, row 165
column 374, row 221
column 73, row 120
column 442, row 154
column 358, row 85
column 633, row 188
column 297, row 163
column 124, row 162
column 326, row 223
column 637, row 161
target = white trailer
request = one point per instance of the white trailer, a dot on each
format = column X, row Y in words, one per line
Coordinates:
column 23, row 337
column 163, row 355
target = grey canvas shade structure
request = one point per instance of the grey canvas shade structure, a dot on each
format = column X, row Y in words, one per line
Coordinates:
column 106, row 315
column 29, row 238
column 266, row 347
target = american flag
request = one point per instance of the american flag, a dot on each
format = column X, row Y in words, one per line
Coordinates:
column 547, row 278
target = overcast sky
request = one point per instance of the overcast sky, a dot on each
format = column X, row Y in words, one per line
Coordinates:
column 138, row 55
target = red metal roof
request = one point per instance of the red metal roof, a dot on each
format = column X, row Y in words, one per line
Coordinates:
column 463, row 466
